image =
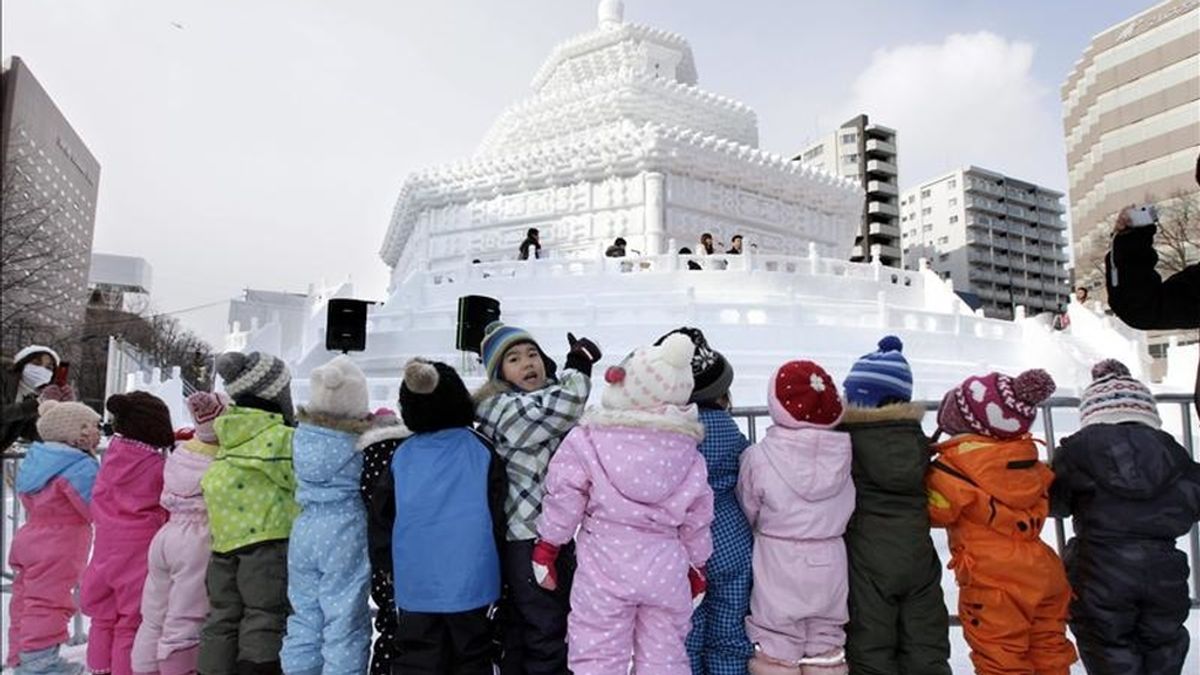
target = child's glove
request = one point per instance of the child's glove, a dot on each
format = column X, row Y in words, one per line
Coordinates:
column 545, row 572
column 698, row 584
column 584, row 353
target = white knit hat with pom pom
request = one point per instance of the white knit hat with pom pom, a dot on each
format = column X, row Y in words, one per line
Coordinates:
column 339, row 389
column 652, row 377
column 1115, row 396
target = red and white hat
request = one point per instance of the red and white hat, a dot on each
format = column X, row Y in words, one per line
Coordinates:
column 652, row 377
column 205, row 407
column 995, row 405
column 801, row 394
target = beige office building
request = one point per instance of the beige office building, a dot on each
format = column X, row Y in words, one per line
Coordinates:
column 1131, row 115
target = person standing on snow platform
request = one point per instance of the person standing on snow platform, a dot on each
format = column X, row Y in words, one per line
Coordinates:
column 531, row 247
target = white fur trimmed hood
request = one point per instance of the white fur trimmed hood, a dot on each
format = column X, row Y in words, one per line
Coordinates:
column 678, row 419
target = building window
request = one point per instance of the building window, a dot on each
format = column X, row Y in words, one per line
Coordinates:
column 954, row 201
column 953, row 219
column 927, row 228
column 925, row 193
column 943, row 240
column 850, row 158
column 927, row 210
column 849, row 138
column 952, row 184
column 943, row 257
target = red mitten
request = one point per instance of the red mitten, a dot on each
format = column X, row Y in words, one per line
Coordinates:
column 185, row 434
column 545, row 572
column 698, row 584
column 55, row 392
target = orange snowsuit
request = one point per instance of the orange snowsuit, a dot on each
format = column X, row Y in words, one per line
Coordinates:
column 992, row 496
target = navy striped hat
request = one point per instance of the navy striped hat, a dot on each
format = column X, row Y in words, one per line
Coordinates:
column 879, row 377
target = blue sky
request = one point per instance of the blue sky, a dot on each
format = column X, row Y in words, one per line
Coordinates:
column 261, row 144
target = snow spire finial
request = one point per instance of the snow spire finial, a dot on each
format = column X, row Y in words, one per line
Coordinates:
column 611, row 13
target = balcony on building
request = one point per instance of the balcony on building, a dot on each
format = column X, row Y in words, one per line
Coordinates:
column 884, row 229
column 878, row 166
column 883, row 208
column 876, row 147
column 882, row 187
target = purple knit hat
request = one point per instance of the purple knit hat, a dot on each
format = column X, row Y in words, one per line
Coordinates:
column 205, row 408
column 995, row 405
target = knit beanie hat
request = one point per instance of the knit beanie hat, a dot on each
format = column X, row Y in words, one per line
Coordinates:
column 433, row 397
column 879, row 377
column 711, row 373
column 259, row 375
column 995, row 405
column 498, row 338
column 651, row 377
column 1115, row 396
column 339, row 389
column 801, row 394
column 205, row 407
column 60, row 422
column 142, row 417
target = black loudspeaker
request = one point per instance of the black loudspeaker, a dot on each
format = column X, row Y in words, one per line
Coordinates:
column 346, row 325
column 475, row 312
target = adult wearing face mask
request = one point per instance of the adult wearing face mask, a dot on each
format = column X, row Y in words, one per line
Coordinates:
column 24, row 385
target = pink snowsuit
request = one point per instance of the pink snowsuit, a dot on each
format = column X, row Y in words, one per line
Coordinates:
column 795, row 488
column 127, row 515
column 641, row 500
column 50, row 550
column 175, row 601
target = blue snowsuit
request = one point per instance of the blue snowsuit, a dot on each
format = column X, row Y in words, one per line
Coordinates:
column 717, row 644
column 329, row 573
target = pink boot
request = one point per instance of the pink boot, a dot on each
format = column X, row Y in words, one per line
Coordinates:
column 832, row 662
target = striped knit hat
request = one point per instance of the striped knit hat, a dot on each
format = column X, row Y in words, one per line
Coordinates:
column 498, row 339
column 257, row 374
column 205, row 407
column 1115, row 396
column 879, row 377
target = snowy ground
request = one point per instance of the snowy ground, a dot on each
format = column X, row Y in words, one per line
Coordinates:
column 1065, row 422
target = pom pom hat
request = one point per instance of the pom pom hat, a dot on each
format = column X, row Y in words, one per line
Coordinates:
column 339, row 389
column 652, row 377
column 259, row 375
column 711, row 372
column 880, row 377
column 498, row 338
column 801, row 394
column 65, row 422
column 995, row 405
column 142, row 417
column 433, row 397
column 1114, row 397
column 205, row 407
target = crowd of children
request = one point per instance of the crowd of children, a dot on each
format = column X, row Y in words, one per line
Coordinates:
column 519, row 529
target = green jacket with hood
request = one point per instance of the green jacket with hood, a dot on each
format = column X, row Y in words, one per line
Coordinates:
column 250, row 489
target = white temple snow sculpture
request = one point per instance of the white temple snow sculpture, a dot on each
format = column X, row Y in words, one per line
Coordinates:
column 617, row 139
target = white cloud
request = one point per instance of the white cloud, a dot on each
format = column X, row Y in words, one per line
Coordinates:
column 971, row 99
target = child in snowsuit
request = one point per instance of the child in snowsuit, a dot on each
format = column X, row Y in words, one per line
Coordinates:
column 329, row 575
column 796, row 491
column 526, row 411
column 630, row 480
column 717, row 643
column 174, row 600
column 378, row 445
column 249, row 491
column 126, row 509
column 898, row 619
column 1132, row 490
column 50, row 550
column 445, row 492
column 990, row 492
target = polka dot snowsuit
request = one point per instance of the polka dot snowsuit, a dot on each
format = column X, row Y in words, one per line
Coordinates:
column 641, row 500
column 329, row 573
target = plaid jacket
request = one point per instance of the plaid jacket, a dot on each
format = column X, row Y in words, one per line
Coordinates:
column 526, row 428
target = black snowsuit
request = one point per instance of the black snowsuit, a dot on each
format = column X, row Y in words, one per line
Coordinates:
column 898, row 619
column 1131, row 491
column 378, row 446
column 1141, row 298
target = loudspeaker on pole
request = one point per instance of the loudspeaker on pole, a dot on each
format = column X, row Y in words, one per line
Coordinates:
column 346, row 325
column 475, row 312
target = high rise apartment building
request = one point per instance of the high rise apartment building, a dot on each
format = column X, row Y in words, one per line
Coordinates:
column 50, row 185
column 866, row 152
column 1131, row 115
column 996, row 237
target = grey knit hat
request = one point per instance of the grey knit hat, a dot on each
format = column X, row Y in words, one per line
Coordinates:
column 259, row 375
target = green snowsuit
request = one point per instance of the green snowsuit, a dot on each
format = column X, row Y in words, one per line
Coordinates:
column 898, row 619
column 249, row 491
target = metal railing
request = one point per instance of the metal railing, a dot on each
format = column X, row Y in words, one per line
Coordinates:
column 11, row 460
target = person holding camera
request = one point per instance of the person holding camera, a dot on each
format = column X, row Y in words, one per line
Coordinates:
column 1136, row 292
column 25, row 384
